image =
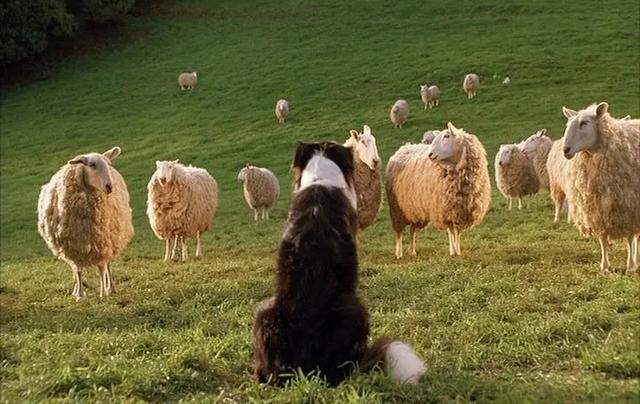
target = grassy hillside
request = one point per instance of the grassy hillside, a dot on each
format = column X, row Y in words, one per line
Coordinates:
column 522, row 316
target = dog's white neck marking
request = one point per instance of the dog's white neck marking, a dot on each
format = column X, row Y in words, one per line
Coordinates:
column 324, row 172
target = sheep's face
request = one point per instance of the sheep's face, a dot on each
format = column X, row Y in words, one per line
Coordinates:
column 534, row 141
column 424, row 88
column 242, row 175
column 96, row 171
column 581, row 132
column 365, row 147
column 166, row 171
column 505, row 153
column 444, row 146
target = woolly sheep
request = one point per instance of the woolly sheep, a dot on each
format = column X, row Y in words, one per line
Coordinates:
column 445, row 183
column 471, row 85
column 430, row 95
column 537, row 147
column 605, row 193
column 261, row 189
column 559, row 179
column 428, row 136
column 85, row 218
column 399, row 113
column 367, row 175
column 515, row 175
column 181, row 203
column 188, row 80
column 282, row 110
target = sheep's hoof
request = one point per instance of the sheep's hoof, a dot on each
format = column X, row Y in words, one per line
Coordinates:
column 631, row 272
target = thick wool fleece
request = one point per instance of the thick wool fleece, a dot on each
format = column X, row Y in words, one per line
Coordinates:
column 518, row 177
column 261, row 188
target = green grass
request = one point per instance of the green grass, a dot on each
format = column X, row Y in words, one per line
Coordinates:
column 522, row 316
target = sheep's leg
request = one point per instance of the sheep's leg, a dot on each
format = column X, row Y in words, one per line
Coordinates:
column 519, row 203
column 264, row 213
column 437, row 103
column 604, row 262
column 102, row 275
column 425, row 107
column 267, row 212
column 413, row 230
column 255, row 214
column 510, row 202
column 632, row 254
column 198, row 245
column 569, row 218
column 173, row 249
column 452, row 250
column 167, row 248
column 457, row 234
column 78, row 290
column 183, row 245
column 112, row 282
column 398, row 245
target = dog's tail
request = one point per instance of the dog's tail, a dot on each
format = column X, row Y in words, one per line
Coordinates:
column 397, row 359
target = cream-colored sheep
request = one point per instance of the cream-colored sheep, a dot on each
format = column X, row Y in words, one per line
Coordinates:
column 85, row 218
column 537, row 147
column 261, row 189
column 399, row 113
column 367, row 175
column 282, row 110
column 559, row 179
column 471, row 85
column 430, row 95
column 445, row 183
column 428, row 136
column 515, row 174
column 605, row 193
column 188, row 80
column 181, row 203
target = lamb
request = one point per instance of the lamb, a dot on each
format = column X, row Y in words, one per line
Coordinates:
column 261, row 189
column 85, row 218
column 605, row 192
column 188, row 80
column 399, row 113
column 537, row 147
column 515, row 174
column 430, row 95
column 471, row 85
column 282, row 110
column 367, row 175
column 181, row 203
column 559, row 179
column 445, row 183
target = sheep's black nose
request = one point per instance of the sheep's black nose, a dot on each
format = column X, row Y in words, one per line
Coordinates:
column 567, row 150
column 499, row 163
column 108, row 188
column 430, row 155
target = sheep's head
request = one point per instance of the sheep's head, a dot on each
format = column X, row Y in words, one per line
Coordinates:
column 166, row 171
column 447, row 144
column 96, row 173
column 505, row 152
column 534, row 141
column 581, row 132
column 195, row 74
column 242, row 175
column 423, row 87
column 364, row 146
column 428, row 136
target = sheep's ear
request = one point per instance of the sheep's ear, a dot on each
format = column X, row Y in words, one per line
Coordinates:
column 568, row 113
column 79, row 160
column 113, row 153
column 452, row 128
column 601, row 109
column 367, row 130
column 354, row 134
column 176, row 161
column 158, row 163
column 543, row 131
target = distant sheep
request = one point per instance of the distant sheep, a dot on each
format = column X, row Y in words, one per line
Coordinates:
column 537, row 147
column 430, row 95
column 399, row 113
column 428, row 136
column 85, row 218
column 515, row 175
column 605, row 193
column 282, row 110
column 181, row 203
column 188, row 80
column 506, row 81
column 367, row 175
column 261, row 189
column 559, row 179
column 471, row 85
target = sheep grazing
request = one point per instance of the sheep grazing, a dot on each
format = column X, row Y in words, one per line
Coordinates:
column 471, row 85
column 261, row 189
column 399, row 113
column 282, row 110
column 85, row 218
column 188, row 80
column 537, row 147
column 605, row 192
column 559, row 179
column 515, row 174
column 367, row 175
column 445, row 183
column 430, row 95
column 181, row 203
column 506, row 81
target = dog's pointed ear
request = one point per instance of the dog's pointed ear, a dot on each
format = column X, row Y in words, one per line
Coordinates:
column 304, row 152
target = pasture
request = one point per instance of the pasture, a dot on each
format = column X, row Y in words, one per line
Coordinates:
column 522, row 316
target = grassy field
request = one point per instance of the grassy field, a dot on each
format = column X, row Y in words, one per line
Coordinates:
column 522, row 316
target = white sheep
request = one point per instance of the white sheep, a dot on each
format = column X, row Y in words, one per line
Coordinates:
column 367, row 175
column 445, row 183
column 428, row 136
column 181, row 203
column 515, row 174
column 605, row 192
column 261, row 189
column 471, row 85
column 188, row 80
column 282, row 110
column 537, row 147
column 506, row 81
column 430, row 95
column 399, row 113
column 85, row 218
column 559, row 179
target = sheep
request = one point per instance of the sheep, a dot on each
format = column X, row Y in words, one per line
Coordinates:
column 605, row 192
column 84, row 216
column 367, row 175
column 515, row 174
column 430, row 95
column 471, row 85
column 428, row 136
column 282, row 110
column 537, row 147
column 399, row 113
column 181, row 203
column 188, row 80
column 261, row 189
column 445, row 183
column 506, row 81
column 559, row 180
